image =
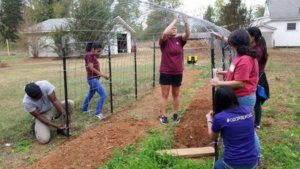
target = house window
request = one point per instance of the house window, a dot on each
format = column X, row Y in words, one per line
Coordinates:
column 291, row 26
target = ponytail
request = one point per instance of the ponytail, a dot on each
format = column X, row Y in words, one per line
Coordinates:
column 246, row 50
column 262, row 43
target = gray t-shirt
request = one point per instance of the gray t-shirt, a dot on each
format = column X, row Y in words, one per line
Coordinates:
column 43, row 104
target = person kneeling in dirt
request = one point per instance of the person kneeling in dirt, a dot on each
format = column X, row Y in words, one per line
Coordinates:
column 235, row 123
column 41, row 102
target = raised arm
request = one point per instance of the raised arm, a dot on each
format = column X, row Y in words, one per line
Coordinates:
column 169, row 29
column 187, row 32
column 219, row 36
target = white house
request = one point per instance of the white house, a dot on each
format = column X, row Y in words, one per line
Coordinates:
column 280, row 24
column 39, row 38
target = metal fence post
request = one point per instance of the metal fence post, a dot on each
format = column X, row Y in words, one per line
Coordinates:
column 154, row 64
column 110, row 78
column 135, row 73
column 63, row 52
column 223, row 55
column 212, row 50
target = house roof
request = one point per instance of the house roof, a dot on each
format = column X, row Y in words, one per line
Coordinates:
column 260, row 21
column 268, row 27
column 283, row 9
column 50, row 25
column 121, row 21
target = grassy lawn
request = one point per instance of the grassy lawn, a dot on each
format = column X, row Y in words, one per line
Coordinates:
column 280, row 133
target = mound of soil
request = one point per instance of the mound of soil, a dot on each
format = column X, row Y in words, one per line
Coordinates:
column 192, row 131
column 3, row 64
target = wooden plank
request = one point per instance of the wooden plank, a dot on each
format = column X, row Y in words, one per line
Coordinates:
column 189, row 152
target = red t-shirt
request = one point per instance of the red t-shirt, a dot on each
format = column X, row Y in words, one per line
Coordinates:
column 244, row 68
column 91, row 58
column 259, row 53
column 172, row 55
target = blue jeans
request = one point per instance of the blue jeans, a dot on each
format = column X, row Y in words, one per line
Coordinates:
column 250, row 100
column 220, row 164
column 247, row 100
column 95, row 86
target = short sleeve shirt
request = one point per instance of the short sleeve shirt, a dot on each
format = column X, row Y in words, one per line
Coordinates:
column 237, row 129
column 91, row 58
column 172, row 55
column 244, row 68
column 42, row 105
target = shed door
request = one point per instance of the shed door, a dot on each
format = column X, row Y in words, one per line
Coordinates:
column 122, row 43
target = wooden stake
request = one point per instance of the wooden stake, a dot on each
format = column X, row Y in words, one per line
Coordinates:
column 189, row 152
column 7, row 45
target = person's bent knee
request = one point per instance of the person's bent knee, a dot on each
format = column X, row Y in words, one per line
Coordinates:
column 104, row 95
column 71, row 106
column 43, row 139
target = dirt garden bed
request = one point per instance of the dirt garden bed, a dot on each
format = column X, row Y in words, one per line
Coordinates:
column 95, row 147
column 192, row 131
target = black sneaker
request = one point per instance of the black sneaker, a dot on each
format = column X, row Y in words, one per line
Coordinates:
column 63, row 132
column 176, row 118
column 163, row 120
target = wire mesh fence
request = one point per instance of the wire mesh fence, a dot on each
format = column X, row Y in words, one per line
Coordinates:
column 130, row 54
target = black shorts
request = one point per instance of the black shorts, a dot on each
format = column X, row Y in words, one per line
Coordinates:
column 169, row 79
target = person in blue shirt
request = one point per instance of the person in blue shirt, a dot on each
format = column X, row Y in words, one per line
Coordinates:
column 234, row 123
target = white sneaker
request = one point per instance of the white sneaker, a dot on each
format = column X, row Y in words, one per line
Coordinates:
column 100, row 116
column 89, row 111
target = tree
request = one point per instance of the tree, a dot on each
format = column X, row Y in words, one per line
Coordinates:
column 35, row 42
column 209, row 14
column 171, row 4
column 38, row 11
column 158, row 19
column 128, row 10
column 56, row 36
column 217, row 10
column 10, row 19
column 259, row 11
column 61, row 9
column 234, row 15
column 92, row 20
column 249, row 16
column 42, row 10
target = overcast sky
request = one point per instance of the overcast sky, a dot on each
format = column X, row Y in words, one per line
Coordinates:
column 197, row 7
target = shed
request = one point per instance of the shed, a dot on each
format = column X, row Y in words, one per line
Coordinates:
column 121, row 39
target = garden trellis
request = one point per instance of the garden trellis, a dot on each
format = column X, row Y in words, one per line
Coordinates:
column 133, row 69
column 131, row 54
